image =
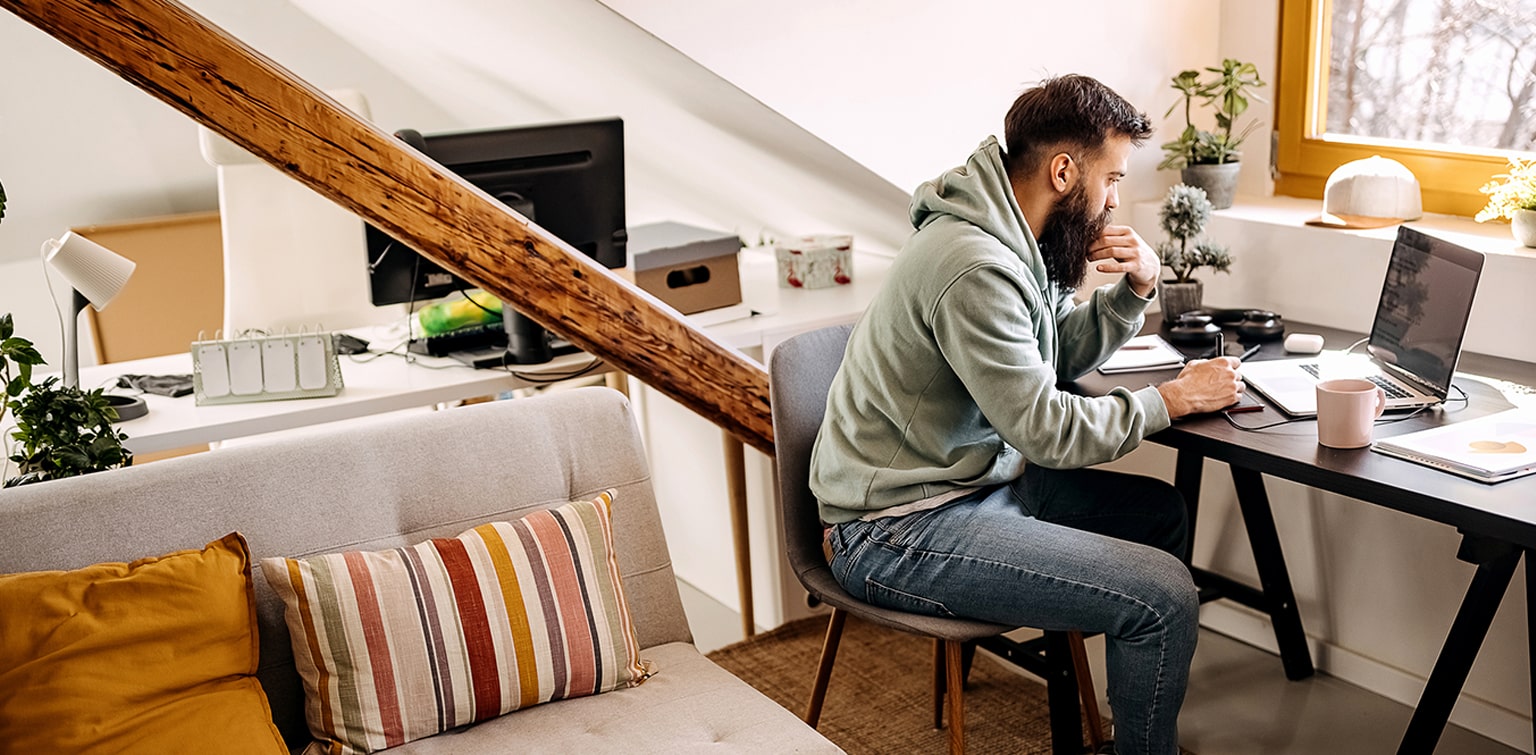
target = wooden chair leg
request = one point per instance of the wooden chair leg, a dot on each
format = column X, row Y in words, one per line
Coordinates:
column 938, row 683
column 968, row 655
column 824, row 668
column 1085, row 690
column 954, row 671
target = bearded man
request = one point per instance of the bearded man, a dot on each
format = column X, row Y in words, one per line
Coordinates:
column 952, row 469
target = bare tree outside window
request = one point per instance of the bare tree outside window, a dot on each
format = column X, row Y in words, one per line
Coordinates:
column 1459, row 73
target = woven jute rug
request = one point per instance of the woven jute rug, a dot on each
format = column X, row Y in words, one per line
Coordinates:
column 880, row 698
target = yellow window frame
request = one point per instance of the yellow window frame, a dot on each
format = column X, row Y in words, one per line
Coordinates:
column 1305, row 155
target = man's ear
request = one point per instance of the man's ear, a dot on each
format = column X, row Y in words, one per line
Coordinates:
column 1063, row 172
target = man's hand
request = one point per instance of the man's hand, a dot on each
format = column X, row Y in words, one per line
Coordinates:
column 1204, row 385
column 1125, row 252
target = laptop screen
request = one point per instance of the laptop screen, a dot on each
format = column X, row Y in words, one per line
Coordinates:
column 1425, row 302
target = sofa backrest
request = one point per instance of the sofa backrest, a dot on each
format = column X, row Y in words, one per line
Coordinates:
column 369, row 484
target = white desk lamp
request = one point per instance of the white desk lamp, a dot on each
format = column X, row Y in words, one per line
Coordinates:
column 96, row 274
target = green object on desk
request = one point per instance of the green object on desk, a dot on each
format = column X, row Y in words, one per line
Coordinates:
column 476, row 308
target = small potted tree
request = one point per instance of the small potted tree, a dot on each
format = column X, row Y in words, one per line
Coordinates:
column 1513, row 199
column 1183, row 216
column 1209, row 159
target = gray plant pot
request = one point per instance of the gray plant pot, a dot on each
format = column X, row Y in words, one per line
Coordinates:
column 1177, row 298
column 1219, row 182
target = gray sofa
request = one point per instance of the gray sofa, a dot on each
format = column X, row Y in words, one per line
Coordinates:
column 398, row 480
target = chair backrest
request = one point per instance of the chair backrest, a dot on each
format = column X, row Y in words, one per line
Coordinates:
column 800, row 374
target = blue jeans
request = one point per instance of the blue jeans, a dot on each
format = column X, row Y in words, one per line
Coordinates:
column 1084, row 549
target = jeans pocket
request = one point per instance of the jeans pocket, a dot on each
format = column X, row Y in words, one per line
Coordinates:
column 890, row 597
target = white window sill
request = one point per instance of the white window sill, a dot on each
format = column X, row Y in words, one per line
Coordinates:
column 1489, row 238
column 1332, row 277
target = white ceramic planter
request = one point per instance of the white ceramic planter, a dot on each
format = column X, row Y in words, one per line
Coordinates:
column 1523, row 225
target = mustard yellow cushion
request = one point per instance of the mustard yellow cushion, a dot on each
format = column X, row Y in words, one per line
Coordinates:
column 154, row 656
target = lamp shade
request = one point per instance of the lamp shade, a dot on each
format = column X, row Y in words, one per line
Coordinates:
column 97, row 272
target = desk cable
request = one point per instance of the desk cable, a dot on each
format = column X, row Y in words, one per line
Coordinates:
column 1416, row 412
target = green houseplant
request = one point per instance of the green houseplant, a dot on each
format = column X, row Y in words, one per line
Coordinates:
column 1209, row 159
column 1183, row 216
column 1513, row 199
column 61, row 431
column 64, row 432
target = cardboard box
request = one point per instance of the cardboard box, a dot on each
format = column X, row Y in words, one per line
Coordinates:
column 693, row 269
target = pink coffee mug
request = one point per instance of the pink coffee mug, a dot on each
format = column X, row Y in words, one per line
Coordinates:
column 1347, row 410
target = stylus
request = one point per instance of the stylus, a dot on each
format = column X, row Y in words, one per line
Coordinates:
column 1254, row 349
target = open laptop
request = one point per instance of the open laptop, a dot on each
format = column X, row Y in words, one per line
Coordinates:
column 1415, row 341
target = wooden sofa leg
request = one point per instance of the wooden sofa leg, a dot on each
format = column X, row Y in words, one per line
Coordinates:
column 824, row 668
column 1085, row 690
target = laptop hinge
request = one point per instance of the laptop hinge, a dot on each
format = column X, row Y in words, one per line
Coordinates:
column 1423, row 385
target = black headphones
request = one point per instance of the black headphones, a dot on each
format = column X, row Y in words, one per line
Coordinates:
column 1259, row 326
column 1200, row 327
column 1193, row 328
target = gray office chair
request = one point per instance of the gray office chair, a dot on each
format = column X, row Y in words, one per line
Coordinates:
column 800, row 376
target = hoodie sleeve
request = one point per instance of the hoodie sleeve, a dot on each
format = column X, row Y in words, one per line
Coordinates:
column 1091, row 331
column 983, row 324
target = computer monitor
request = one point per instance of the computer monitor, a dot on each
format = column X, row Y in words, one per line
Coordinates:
column 566, row 177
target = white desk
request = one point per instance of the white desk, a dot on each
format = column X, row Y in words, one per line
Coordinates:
column 787, row 311
column 383, row 384
column 388, row 383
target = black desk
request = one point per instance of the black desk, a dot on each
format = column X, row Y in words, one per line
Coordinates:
column 1497, row 522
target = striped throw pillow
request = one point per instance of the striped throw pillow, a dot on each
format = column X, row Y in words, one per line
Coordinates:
column 401, row 644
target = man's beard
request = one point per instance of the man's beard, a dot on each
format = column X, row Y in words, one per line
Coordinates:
column 1069, row 234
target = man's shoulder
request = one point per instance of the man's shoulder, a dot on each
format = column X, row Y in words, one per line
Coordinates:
column 952, row 247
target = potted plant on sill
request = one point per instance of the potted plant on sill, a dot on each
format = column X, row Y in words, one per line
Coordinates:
column 1183, row 216
column 1209, row 159
column 1513, row 199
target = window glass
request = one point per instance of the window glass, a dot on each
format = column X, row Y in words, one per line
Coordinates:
column 1457, row 73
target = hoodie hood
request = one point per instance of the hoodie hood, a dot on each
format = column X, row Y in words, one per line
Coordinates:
column 980, row 194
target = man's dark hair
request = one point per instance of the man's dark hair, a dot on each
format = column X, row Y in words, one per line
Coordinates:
column 1073, row 111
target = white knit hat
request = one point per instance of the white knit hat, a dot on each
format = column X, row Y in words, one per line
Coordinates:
column 1370, row 193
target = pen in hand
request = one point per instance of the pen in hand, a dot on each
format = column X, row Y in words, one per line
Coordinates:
column 1217, row 350
column 1254, row 349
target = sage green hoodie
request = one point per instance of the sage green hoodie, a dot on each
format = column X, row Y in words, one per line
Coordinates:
column 950, row 376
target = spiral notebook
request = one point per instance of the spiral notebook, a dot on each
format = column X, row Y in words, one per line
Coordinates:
column 1492, row 448
column 1149, row 352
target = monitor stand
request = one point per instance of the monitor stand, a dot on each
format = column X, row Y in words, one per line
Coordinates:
column 527, row 343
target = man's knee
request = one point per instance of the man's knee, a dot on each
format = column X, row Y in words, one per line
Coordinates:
column 1172, row 604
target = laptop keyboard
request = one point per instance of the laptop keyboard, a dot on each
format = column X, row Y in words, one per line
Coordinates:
column 1392, row 390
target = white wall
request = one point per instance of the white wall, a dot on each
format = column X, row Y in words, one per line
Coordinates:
column 909, row 88
column 80, row 146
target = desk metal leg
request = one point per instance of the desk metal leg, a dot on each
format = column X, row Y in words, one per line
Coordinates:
column 736, row 490
column 1280, row 601
column 1186, row 478
column 1496, row 562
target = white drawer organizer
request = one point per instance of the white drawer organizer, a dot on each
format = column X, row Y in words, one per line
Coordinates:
column 265, row 368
